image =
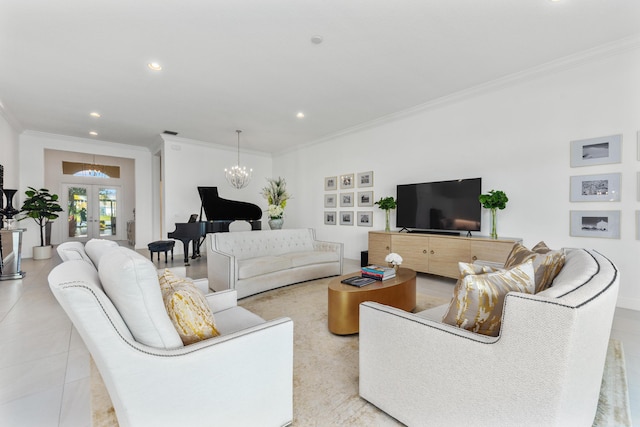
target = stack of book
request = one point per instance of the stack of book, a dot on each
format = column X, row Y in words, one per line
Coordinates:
column 377, row 272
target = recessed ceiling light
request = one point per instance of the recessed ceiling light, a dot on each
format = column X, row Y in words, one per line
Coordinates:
column 93, row 133
column 300, row 115
column 94, row 114
column 154, row 66
column 316, row 39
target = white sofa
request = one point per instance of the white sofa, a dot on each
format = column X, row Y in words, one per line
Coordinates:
column 256, row 261
column 544, row 368
column 242, row 377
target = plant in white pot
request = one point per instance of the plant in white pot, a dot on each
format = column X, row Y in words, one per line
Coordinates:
column 42, row 207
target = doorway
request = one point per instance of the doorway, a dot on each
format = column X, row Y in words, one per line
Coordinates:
column 91, row 211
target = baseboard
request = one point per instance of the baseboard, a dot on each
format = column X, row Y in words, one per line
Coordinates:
column 629, row 303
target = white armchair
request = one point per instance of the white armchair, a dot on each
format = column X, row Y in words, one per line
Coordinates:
column 544, row 369
column 242, row 377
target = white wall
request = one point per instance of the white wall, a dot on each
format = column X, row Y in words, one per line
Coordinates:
column 188, row 164
column 516, row 137
column 32, row 174
column 8, row 151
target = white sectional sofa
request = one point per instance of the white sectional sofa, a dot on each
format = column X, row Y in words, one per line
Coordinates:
column 256, row 261
column 543, row 369
column 242, row 377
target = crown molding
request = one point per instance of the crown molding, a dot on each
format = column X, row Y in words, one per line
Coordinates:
column 169, row 139
column 587, row 56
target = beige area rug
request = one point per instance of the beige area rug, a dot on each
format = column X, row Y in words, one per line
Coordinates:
column 326, row 366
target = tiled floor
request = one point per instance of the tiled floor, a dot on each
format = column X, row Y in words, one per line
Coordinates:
column 44, row 366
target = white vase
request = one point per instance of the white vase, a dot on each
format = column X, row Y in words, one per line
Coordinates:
column 276, row 223
column 41, row 252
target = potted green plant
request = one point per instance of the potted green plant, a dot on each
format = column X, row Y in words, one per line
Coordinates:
column 387, row 204
column 42, row 207
column 493, row 200
column 277, row 196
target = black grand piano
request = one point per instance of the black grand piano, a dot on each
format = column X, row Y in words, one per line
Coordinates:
column 219, row 213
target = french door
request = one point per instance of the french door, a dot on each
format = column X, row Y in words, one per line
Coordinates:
column 92, row 211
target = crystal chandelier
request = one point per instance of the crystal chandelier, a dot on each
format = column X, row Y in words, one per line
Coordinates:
column 238, row 176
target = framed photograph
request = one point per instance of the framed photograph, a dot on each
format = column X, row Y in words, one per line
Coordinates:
column 365, row 218
column 346, row 218
column 365, row 179
column 346, row 199
column 596, row 151
column 596, row 188
column 329, row 218
column 331, row 183
column 604, row 224
column 365, row 198
column 330, row 200
column 346, row 181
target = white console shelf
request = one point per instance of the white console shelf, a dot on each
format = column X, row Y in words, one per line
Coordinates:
column 435, row 253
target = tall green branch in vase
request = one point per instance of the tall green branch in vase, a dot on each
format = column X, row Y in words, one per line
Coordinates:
column 387, row 204
column 493, row 200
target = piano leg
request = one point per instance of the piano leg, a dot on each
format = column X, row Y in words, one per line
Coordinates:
column 185, row 244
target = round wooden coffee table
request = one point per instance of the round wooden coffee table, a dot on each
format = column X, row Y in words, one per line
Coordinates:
column 344, row 300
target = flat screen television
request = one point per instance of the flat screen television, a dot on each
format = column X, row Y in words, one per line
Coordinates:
column 450, row 206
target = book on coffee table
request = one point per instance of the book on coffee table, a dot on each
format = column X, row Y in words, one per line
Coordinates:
column 358, row 281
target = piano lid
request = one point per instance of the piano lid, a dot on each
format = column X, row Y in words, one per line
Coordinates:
column 217, row 208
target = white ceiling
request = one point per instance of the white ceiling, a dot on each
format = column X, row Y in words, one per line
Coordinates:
column 250, row 64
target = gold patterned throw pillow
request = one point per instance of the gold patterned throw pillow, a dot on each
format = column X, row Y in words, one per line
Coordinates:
column 547, row 263
column 187, row 308
column 478, row 298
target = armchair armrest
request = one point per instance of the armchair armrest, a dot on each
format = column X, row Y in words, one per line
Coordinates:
column 221, row 267
column 222, row 300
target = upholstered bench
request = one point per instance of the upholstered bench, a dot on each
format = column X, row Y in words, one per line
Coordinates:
column 161, row 246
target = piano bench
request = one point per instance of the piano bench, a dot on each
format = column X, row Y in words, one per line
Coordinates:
column 161, row 246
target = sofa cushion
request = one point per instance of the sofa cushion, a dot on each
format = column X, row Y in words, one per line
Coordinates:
column 263, row 265
column 130, row 280
column 299, row 259
column 187, row 308
column 96, row 248
column 478, row 298
column 547, row 263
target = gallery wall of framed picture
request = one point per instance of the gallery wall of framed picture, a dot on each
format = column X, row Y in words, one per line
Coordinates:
column 599, row 187
column 344, row 191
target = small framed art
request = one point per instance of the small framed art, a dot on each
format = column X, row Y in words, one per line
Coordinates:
column 346, row 200
column 346, row 181
column 365, row 198
column 365, row 218
column 346, row 218
column 329, row 218
column 331, row 183
column 596, row 151
column 596, row 188
column 605, row 224
column 330, row 200
column 365, row 179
